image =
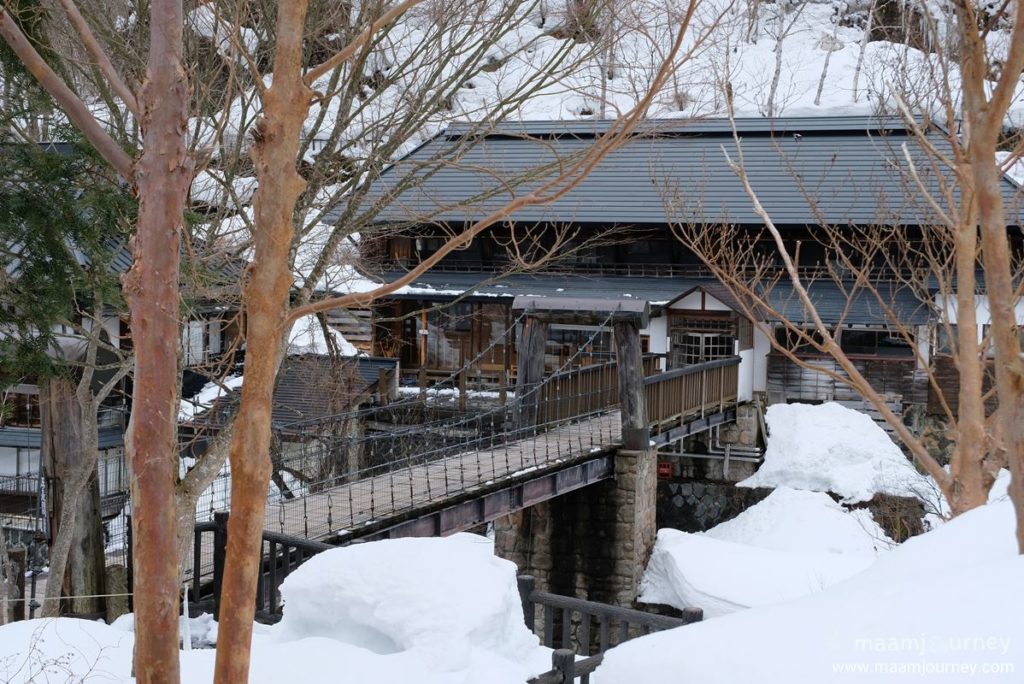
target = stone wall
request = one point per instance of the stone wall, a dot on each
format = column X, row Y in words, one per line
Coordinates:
column 696, row 506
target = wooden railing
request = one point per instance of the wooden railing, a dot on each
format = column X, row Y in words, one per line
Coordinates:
column 691, row 391
column 584, row 391
column 576, row 620
column 280, row 555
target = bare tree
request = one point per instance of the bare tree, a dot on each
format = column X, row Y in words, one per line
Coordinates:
column 160, row 178
column 956, row 180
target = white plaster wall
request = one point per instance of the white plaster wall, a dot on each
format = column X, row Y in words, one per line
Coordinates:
column 692, row 302
column 760, row 351
column 745, row 390
column 8, row 461
column 657, row 330
column 948, row 304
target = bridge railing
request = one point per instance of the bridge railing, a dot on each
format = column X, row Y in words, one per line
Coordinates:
column 584, row 391
column 692, row 390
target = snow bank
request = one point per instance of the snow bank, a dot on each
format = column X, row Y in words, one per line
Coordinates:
column 791, row 544
column 831, row 448
column 62, row 650
column 407, row 611
column 722, row 577
column 942, row 606
column 444, row 599
column 800, row 521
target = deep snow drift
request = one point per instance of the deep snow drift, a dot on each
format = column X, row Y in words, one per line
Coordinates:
column 442, row 611
column 831, row 448
column 791, row 544
column 944, row 606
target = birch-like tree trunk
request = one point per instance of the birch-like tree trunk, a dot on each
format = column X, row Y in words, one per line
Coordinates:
column 162, row 178
column 274, row 154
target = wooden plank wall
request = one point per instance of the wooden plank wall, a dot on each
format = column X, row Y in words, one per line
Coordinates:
column 949, row 380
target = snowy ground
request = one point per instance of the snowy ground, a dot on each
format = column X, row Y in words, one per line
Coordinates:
column 944, row 606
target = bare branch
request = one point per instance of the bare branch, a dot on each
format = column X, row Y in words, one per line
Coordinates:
column 65, row 97
column 98, row 54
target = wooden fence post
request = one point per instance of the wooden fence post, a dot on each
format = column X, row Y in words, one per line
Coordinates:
column 563, row 660
column 220, row 543
column 527, row 583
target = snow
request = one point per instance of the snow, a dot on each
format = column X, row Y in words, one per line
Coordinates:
column 308, row 337
column 791, row 544
column 944, row 605
column 455, row 607
column 204, row 399
column 794, row 520
column 404, row 611
column 831, row 448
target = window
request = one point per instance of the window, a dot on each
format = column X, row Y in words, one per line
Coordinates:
column 695, row 339
column 192, row 342
column 945, row 338
column 876, row 342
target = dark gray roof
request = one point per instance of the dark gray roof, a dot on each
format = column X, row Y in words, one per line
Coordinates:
column 850, row 307
column 830, row 301
column 806, row 171
column 310, row 388
column 444, row 286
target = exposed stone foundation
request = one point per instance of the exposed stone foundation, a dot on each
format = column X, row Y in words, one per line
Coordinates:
column 592, row 543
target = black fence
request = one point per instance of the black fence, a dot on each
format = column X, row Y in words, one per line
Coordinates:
column 280, row 556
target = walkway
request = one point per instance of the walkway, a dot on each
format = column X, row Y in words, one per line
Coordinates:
column 370, row 506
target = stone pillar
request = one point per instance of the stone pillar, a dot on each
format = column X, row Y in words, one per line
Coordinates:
column 592, row 543
column 635, row 502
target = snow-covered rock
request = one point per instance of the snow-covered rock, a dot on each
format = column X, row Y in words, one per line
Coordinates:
column 801, row 521
column 408, row 611
column 791, row 544
column 831, row 448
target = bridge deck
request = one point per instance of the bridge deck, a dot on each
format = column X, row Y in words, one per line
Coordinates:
column 374, row 501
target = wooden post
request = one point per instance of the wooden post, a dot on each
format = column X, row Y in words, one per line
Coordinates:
column 422, row 379
column 635, row 430
column 422, row 338
column 462, row 389
column 531, row 345
column 18, row 558
column 527, row 583
column 383, row 386
column 220, row 543
column 563, row 660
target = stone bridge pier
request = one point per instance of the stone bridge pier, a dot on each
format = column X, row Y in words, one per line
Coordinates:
column 594, row 542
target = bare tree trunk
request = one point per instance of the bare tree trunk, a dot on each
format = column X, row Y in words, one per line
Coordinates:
column 162, row 178
column 190, row 488
column 69, row 456
column 984, row 116
column 266, row 303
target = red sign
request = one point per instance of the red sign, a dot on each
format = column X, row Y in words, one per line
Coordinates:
column 664, row 469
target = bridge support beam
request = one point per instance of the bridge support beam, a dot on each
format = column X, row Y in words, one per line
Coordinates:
column 592, row 543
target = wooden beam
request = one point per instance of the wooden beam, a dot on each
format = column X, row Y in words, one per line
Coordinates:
column 531, row 346
column 632, row 398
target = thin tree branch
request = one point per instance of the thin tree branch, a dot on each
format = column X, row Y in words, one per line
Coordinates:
column 72, row 105
column 98, row 54
column 349, row 50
